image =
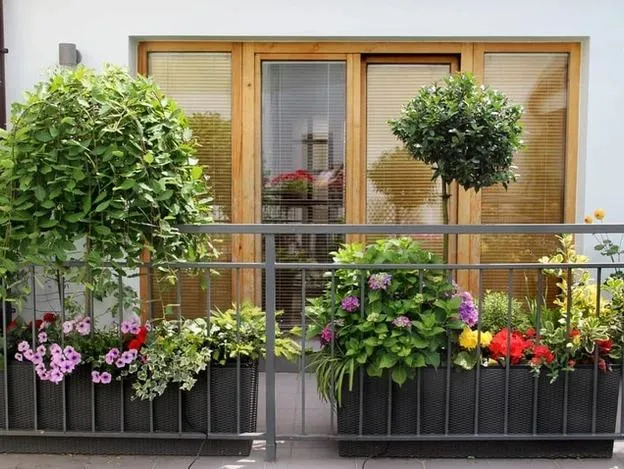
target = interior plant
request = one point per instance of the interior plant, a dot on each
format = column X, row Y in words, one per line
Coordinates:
column 381, row 319
column 467, row 133
column 99, row 160
column 294, row 182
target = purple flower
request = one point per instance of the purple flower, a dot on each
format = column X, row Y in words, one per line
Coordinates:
column 74, row 357
column 56, row 376
column 19, row 357
column 57, row 360
column 23, row 346
column 43, row 375
column 55, row 349
column 43, row 337
column 126, row 357
column 133, row 353
column 468, row 313
column 402, row 321
column 380, row 281
column 125, row 327
column 41, row 349
column 69, row 349
column 327, row 335
column 36, row 358
column 105, row 377
column 66, row 367
column 350, row 303
column 68, row 326
column 114, row 352
column 29, row 354
column 84, row 327
column 40, row 368
column 120, row 363
column 95, row 376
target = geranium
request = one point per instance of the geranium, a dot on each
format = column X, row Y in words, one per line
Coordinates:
column 604, row 345
column 517, row 346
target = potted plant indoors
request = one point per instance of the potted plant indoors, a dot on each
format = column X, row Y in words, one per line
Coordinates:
column 403, row 352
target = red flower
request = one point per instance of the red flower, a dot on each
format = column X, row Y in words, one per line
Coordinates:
column 139, row 339
column 574, row 333
column 602, row 365
column 604, row 345
column 541, row 354
column 38, row 323
column 12, row 325
column 517, row 345
column 530, row 333
column 571, row 363
column 49, row 317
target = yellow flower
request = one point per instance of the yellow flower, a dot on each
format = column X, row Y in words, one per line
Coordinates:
column 486, row 338
column 599, row 214
column 468, row 339
column 589, row 219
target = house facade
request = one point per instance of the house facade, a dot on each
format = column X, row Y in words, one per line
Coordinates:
column 289, row 101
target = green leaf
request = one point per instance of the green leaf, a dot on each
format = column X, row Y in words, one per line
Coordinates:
column 196, row 172
column 399, row 375
column 40, row 193
column 102, row 206
column 465, row 360
column 148, row 158
column 127, row 184
column 387, row 361
column 43, row 136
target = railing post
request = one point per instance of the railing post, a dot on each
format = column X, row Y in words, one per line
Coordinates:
column 269, row 253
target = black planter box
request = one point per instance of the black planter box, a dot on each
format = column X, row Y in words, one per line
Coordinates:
column 93, row 416
column 418, row 408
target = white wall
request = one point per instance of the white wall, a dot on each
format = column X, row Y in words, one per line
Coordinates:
column 105, row 31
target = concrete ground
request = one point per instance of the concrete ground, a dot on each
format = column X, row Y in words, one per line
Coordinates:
column 295, row 454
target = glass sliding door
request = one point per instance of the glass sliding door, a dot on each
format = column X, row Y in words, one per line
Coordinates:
column 303, row 155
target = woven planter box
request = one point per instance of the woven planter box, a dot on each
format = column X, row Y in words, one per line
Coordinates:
column 418, row 407
column 109, row 410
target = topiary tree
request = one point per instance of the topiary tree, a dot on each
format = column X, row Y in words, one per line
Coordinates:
column 102, row 158
column 467, row 133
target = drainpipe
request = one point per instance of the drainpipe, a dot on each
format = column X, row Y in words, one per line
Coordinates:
column 3, row 51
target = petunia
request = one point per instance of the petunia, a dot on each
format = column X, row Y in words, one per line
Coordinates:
column 83, row 327
column 42, row 337
column 95, row 376
column 23, row 346
column 68, row 326
column 105, row 377
column 41, row 349
column 19, row 357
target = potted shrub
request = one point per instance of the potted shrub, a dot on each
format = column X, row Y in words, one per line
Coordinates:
column 467, row 133
column 399, row 347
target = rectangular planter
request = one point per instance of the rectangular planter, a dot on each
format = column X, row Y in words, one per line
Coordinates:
column 418, row 408
column 102, row 410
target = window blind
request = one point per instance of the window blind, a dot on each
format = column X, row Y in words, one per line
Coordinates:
column 538, row 81
column 303, row 142
column 399, row 189
column 201, row 84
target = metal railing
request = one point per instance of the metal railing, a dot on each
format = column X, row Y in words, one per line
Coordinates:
column 269, row 265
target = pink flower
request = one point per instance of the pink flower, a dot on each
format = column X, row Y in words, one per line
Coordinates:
column 105, row 377
column 40, row 368
column 23, row 346
column 43, row 375
column 84, row 327
column 56, row 376
column 120, row 363
column 74, row 357
column 41, row 349
column 95, row 376
column 402, row 321
column 43, row 337
column 350, row 303
column 127, row 357
column 37, row 358
column 55, row 349
column 19, row 357
column 66, row 367
column 68, row 326
column 29, row 354
column 327, row 335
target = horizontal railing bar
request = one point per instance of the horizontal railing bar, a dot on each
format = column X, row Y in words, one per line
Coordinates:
column 499, row 266
column 175, row 265
column 294, row 228
column 452, row 437
column 134, row 435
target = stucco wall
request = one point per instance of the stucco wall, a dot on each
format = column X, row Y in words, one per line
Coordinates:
column 106, row 31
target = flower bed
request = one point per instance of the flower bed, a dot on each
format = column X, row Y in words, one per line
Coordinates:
column 113, row 389
column 399, row 331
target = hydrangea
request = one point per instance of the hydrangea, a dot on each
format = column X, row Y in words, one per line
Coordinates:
column 350, row 303
column 327, row 335
column 402, row 321
column 380, row 281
